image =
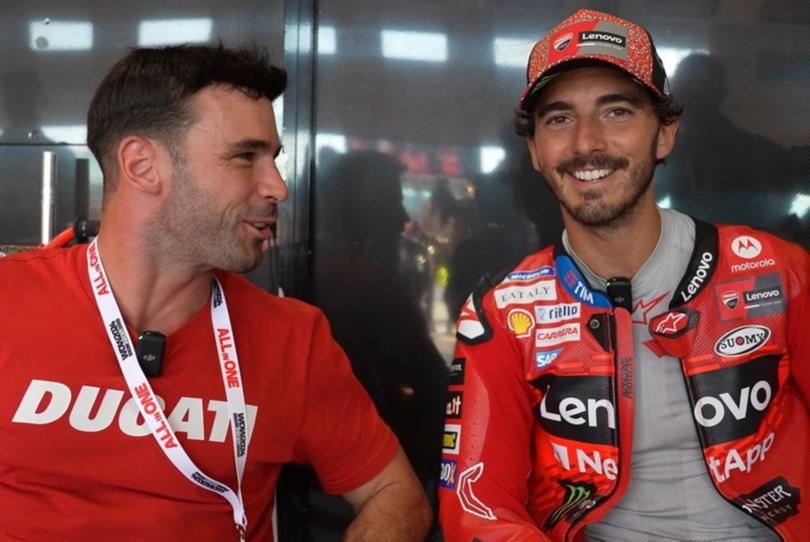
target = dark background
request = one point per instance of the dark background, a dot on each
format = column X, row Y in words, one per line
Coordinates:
column 406, row 181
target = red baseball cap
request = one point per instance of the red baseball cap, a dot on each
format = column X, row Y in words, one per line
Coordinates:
column 591, row 37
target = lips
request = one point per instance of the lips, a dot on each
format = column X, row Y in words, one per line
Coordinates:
column 592, row 175
column 593, row 168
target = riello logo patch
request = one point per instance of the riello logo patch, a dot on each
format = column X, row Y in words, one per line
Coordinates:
column 742, row 340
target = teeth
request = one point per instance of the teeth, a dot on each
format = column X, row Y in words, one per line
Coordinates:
column 259, row 225
column 592, row 175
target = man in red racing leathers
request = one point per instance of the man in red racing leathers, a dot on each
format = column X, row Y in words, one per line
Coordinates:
column 584, row 405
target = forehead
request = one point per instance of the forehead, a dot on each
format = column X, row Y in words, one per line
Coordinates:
column 224, row 114
column 586, row 85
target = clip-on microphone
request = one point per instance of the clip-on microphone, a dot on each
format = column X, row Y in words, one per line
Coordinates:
column 150, row 349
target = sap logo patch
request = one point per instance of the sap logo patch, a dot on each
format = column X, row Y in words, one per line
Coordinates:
column 773, row 502
column 544, row 359
column 746, row 247
column 527, row 276
column 741, row 341
column 456, row 377
column 750, row 297
column 557, row 313
column 451, row 440
column 448, row 474
column 555, row 335
column 520, row 322
column 545, row 290
column 453, row 407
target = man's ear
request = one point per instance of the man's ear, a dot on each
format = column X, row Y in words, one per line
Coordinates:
column 533, row 154
column 142, row 164
column 666, row 139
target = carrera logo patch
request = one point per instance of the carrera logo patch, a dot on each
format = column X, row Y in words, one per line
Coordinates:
column 555, row 335
column 741, row 341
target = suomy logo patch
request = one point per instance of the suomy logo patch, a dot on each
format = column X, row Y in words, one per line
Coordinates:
column 742, row 340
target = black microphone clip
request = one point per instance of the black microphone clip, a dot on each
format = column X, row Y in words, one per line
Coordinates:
column 620, row 292
column 150, row 349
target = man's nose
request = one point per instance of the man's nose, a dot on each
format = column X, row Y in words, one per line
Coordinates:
column 270, row 183
column 589, row 137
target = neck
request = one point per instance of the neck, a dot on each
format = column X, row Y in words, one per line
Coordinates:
column 153, row 292
column 618, row 250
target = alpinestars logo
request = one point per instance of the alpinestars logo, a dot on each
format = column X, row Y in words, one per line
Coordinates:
column 746, row 247
column 579, row 497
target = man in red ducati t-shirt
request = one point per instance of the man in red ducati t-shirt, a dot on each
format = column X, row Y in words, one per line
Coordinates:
column 646, row 378
column 233, row 382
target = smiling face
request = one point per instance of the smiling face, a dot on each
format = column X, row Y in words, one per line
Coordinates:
column 224, row 191
column 596, row 141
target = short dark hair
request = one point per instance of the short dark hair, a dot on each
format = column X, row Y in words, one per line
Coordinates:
column 148, row 93
column 666, row 108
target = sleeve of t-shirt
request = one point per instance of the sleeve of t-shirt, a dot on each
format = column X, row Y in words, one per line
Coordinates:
column 342, row 435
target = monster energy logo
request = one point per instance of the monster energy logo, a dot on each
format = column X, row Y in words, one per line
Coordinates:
column 578, row 497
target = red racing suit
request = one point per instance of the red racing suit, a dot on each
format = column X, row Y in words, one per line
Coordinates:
column 537, row 441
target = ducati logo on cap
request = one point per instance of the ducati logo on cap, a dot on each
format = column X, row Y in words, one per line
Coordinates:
column 562, row 42
column 730, row 299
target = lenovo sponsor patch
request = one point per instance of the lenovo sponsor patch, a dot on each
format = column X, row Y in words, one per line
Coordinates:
column 577, row 408
column 750, row 297
column 730, row 403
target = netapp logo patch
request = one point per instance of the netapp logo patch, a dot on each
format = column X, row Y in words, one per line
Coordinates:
column 730, row 403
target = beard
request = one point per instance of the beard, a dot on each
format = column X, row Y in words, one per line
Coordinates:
column 194, row 229
column 597, row 209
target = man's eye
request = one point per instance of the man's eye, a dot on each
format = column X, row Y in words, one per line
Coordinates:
column 619, row 112
column 556, row 119
column 248, row 156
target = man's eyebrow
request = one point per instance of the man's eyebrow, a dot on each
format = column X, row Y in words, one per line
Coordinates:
column 633, row 99
column 616, row 97
column 247, row 145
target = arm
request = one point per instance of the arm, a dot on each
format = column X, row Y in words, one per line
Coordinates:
column 390, row 506
column 798, row 321
column 484, row 483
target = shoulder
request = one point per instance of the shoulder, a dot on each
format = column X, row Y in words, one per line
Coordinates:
column 531, row 279
column 246, row 298
column 39, row 268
